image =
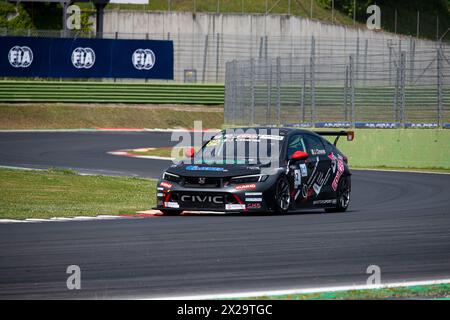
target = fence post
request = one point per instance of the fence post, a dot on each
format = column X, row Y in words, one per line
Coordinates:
column 351, row 76
column 396, row 94
column 312, row 80
column 226, row 105
column 217, row 56
column 356, row 68
column 302, row 101
column 440, row 76
column 252, row 88
column 366, row 49
column 235, row 86
column 261, row 44
column 402, row 87
column 205, row 53
column 278, row 91
column 390, row 61
column 269, row 94
column 346, row 94
column 265, row 46
column 412, row 53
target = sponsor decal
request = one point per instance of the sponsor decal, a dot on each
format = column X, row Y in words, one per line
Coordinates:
column 329, row 201
column 253, row 199
column 245, row 186
column 165, row 184
column 340, row 170
column 202, row 198
column 20, row 57
column 143, row 59
column 316, row 152
column 234, row 206
column 421, row 125
column 333, row 124
column 171, row 205
column 253, row 193
column 160, row 194
column 159, row 188
column 317, row 188
column 380, row 125
column 297, row 178
column 83, row 58
column 198, row 168
column 254, row 206
column 333, row 161
column 303, row 170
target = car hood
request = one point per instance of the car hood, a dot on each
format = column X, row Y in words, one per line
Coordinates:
column 213, row 170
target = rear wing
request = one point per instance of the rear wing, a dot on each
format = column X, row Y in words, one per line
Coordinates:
column 349, row 134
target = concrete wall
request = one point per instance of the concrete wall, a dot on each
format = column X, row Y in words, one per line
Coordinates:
column 230, row 24
column 206, row 41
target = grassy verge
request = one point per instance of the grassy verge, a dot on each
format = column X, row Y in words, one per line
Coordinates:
column 72, row 116
column 425, row 292
column 430, row 169
column 64, row 193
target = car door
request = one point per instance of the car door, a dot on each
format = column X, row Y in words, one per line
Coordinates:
column 319, row 169
column 298, row 171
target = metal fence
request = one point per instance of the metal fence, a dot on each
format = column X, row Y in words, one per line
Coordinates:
column 201, row 57
column 397, row 89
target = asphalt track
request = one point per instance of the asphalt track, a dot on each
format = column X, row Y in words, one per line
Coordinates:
column 398, row 221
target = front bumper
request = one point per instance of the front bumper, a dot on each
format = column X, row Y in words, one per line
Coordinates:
column 248, row 197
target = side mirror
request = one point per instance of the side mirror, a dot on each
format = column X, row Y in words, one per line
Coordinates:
column 189, row 152
column 299, row 155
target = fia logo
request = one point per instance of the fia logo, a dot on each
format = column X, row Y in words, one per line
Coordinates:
column 143, row 59
column 83, row 58
column 20, row 57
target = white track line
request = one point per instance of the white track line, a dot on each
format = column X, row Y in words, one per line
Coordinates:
column 62, row 219
column 243, row 295
column 399, row 170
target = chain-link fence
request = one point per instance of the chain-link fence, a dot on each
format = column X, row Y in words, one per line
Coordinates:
column 397, row 88
column 201, row 57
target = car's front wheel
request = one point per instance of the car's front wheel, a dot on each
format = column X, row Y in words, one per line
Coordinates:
column 343, row 195
column 282, row 196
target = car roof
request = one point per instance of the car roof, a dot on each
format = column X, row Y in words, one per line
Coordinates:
column 285, row 130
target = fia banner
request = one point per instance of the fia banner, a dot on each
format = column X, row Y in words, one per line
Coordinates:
column 85, row 58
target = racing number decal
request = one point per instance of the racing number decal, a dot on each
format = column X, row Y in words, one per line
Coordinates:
column 297, row 178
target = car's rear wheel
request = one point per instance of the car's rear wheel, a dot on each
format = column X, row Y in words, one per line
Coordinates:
column 343, row 195
column 282, row 196
column 171, row 212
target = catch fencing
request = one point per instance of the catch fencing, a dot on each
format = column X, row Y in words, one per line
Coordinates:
column 201, row 58
column 397, row 88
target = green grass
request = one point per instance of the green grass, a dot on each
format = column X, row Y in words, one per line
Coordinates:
column 408, row 169
column 71, row 116
column 427, row 291
column 298, row 8
column 64, row 193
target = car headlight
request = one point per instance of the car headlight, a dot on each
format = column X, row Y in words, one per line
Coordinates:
column 249, row 178
column 171, row 177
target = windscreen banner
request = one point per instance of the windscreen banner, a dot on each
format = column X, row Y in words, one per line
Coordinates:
column 85, row 58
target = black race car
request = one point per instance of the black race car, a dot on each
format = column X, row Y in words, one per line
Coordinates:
column 259, row 170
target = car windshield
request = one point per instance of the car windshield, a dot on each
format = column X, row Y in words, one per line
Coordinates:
column 243, row 148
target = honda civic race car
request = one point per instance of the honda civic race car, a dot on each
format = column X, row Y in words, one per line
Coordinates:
column 273, row 170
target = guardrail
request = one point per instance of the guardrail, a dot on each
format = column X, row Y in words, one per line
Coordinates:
column 110, row 92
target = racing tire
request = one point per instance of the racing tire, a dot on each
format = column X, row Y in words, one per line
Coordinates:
column 171, row 212
column 282, row 198
column 343, row 195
